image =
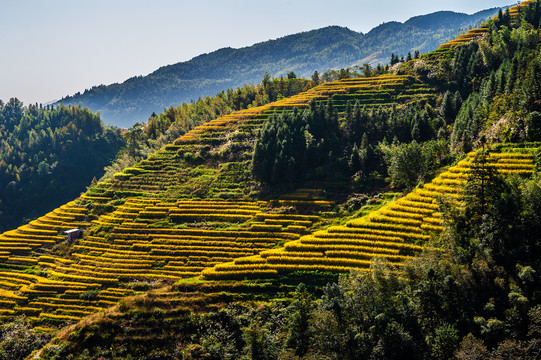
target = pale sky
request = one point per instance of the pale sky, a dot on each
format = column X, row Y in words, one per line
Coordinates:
column 50, row 49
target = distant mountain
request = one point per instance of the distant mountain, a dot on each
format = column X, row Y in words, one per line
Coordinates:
column 332, row 47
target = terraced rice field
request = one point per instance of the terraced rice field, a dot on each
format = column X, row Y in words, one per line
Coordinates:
column 147, row 239
column 127, row 246
column 394, row 233
column 174, row 170
column 473, row 34
column 40, row 235
column 141, row 227
column 464, row 38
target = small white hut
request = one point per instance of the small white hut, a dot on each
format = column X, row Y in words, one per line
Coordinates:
column 72, row 234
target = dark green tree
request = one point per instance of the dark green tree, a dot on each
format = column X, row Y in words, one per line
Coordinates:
column 298, row 320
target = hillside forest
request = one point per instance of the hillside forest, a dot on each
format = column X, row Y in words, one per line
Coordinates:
column 48, row 156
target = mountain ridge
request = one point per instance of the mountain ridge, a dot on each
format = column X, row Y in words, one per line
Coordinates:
column 330, row 47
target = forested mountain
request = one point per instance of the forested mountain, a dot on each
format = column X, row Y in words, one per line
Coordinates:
column 331, row 47
column 48, row 156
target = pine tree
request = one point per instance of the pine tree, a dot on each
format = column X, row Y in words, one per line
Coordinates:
column 447, row 110
column 481, row 185
column 315, row 78
column 532, row 86
column 394, row 59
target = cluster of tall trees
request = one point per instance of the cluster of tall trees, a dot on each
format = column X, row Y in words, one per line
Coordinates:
column 395, row 59
column 496, row 78
column 297, row 145
column 48, row 156
column 315, row 143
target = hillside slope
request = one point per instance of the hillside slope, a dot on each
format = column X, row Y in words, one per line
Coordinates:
column 331, row 47
column 160, row 214
column 195, row 207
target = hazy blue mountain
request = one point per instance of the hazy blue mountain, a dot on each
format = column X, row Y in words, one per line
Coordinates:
column 331, row 47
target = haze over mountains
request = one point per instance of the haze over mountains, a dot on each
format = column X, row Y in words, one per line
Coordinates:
column 331, row 47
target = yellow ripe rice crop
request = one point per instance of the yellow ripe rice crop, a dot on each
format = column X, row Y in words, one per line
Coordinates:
column 403, row 206
column 239, row 274
column 397, row 212
column 442, row 188
column 81, row 277
column 10, row 284
column 514, row 161
column 377, row 232
column 211, row 215
column 330, row 244
column 417, row 197
column 460, row 176
column 366, row 224
column 435, row 194
column 249, row 260
column 22, row 260
column 29, row 231
column 301, row 260
column 517, row 166
column 22, row 309
column 516, row 172
column 230, row 266
column 265, row 254
column 448, row 181
column 265, row 227
column 50, row 316
column 433, row 220
column 512, row 155
column 401, row 220
column 365, row 255
column 430, row 227
column 6, row 294
column 319, row 267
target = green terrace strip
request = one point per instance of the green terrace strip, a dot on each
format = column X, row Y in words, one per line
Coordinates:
column 393, row 233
